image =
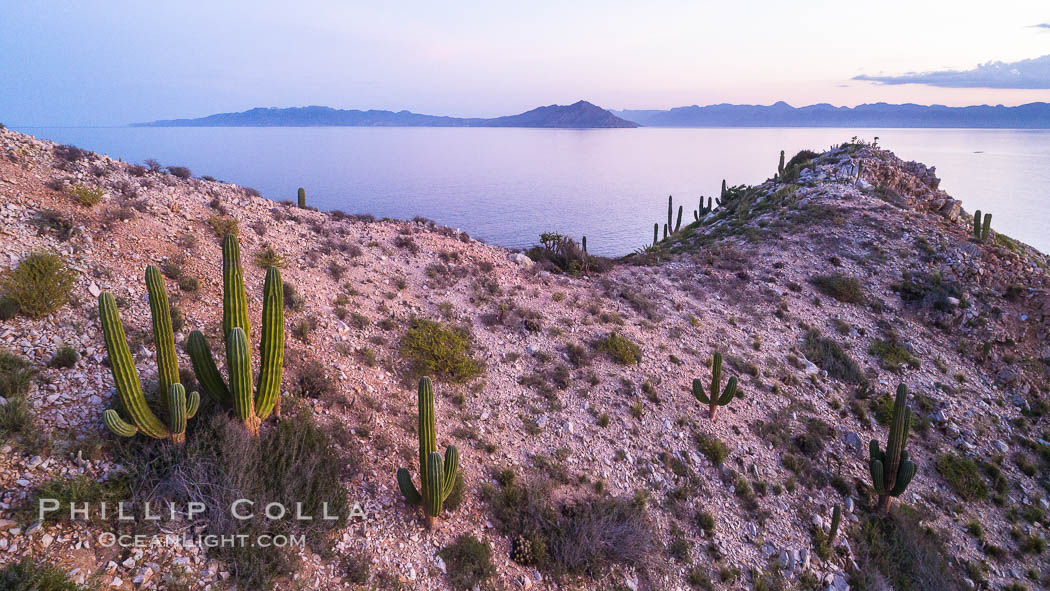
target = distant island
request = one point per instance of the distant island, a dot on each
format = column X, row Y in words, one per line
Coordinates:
column 579, row 115
column 781, row 114
column 585, row 115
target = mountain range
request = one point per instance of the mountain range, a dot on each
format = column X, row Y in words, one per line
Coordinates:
column 781, row 114
column 585, row 115
column 580, row 114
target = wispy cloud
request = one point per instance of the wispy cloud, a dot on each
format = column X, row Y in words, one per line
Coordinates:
column 1041, row 26
column 1029, row 74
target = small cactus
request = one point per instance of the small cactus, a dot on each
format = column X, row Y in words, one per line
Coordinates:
column 836, row 518
column 176, row 406
column 656, row 233
column 714, row 400
column 780, row 167
column 436, row 476
column 521, row 551
column 987, row 227
column 302, row 198
column 891, row 471
column 724, row 189
column 977, row 225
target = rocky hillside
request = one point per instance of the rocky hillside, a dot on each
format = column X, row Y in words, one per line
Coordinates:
column 583, row 451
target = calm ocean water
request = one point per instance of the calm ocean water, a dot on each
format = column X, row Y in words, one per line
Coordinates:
column 507, row 186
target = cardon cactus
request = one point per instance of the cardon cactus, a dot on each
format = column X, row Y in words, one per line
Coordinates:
column 836, row 519
column 656, row 233
column 891, row 471
column 986, row 228
column 176, row 406
column 302, row 198
column 251, row 408
column 670, row 212
column 977, row 225
column 780, row 167
column 714, row 399
column 436, row 476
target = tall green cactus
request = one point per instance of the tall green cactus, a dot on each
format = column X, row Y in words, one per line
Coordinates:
column 670, row 212
column 987, row 228
column 176, row 407
column 678, row 223
column 977, row 225
column 836, row 518
column 656, row 233
column 436, row 477
column 724, row 189
column 714, row 400
column 780, row 167
column 250, row 408
column 302, row 198
column 891, row 471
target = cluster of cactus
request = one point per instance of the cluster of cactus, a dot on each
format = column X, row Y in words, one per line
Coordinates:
column 249, row 408
column 176, row 406
column 670, row 229
column 702, row 211
column 436, row 477
column 981, row 230
column 891, row 471
column 836, row 519
column 521, row 551
column 302, row 198
column 714, row 399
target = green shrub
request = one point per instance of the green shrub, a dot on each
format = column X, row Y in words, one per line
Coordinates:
column 16, row 374
column 8, row 308
column 829, row 356
column 440, row 350
column 269, row 257
column 469, row 562
column 65, row 357
column 40, row 284
column 963, row 476
column 841, row 287
column 620, row 349
column 78, row 490
column 36, row 575
column 224, row 225
column 86, row 196
column 893, row 354
column 712, row 447
column 929, row 290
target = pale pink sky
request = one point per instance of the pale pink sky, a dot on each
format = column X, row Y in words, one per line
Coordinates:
column 123, row 61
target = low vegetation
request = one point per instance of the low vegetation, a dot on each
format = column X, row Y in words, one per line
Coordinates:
column 31, row 575
column 469, row 563
column 39, row 285
column 841, row 287
column 441, row 350
column 828, row 355
column 584, row 537
column 620, row 349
